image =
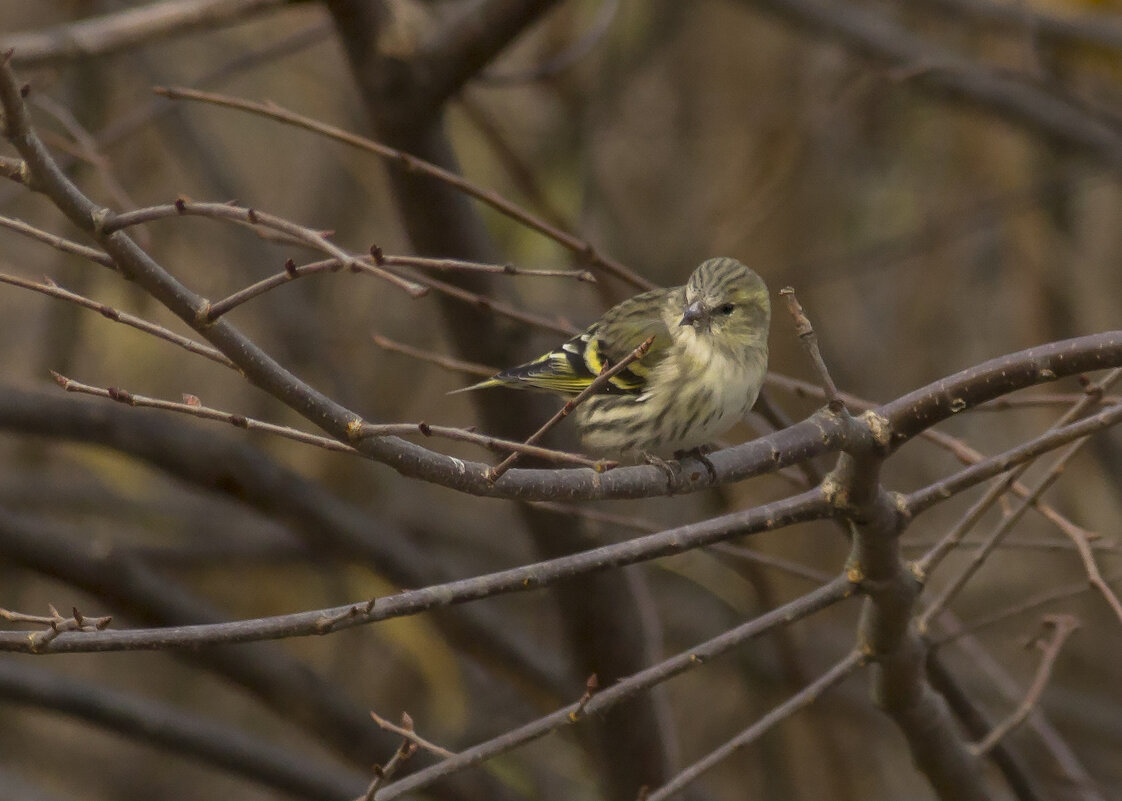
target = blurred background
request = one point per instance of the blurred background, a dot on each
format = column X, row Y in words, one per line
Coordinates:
column 923, row 231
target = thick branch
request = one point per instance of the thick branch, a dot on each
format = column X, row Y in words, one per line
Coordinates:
column 888, row 636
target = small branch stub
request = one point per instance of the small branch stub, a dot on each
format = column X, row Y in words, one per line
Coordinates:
column 1062, row 627
column 590, row 688
column 805, row 332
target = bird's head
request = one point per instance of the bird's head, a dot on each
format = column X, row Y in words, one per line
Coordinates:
column 727, row 301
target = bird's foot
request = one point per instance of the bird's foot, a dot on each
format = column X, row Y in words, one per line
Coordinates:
column 663, row 465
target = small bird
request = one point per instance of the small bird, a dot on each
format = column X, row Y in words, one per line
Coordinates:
column 701, row 375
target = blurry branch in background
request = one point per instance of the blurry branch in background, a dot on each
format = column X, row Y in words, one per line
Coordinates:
column 1063, row 626
column 411, row 163
column 129, row 28
column 930, row 67
column 85, row 148
column 429, row 357
column 1035, row 21
column 187, row 735
column 141, row 594
column 1032, row 603
column 569, row 57
column 133, row 120
column 232, row 468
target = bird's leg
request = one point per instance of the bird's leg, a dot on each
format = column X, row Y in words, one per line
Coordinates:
column 701, row 454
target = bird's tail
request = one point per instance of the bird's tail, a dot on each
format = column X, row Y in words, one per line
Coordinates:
column 490, row 382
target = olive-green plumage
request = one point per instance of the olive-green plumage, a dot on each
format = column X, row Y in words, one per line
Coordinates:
column 701, row 374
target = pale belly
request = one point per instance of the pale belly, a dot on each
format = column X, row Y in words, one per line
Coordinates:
column 680, row 413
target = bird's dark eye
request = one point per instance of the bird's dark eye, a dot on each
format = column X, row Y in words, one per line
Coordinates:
column 726, row 308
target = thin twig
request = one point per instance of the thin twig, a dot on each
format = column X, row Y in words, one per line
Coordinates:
column 961, row 451
column 447, row 362
column 562, row 61
column 56, row 624
column 290, row 273
column 414, row 164
column 409, row 734
column 1043, row 400
column 799, row 700
column 739, row 552
column 1095, row 576
column 504, row 446
column 482, row 301
column 1063, row 626
column 609, row 696
column 318, row 622
column 809, row 339
column 128, row 28
column 1081, row 429
column 77, row 622
column 1091, row 398
column 191, row 406
column 383, row 773
column 254, row 217
column 87, row 150
column 58, row 242
column 1021, row 607
column 460, row 265
column 53, row 290
column 596, row 385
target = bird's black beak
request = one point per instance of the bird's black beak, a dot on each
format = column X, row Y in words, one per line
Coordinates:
column 694, row 312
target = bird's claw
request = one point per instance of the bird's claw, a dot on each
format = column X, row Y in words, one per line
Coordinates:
column 665, row 467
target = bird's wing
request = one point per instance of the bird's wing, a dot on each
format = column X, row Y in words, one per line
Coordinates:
column 569, row 369
column 627, row 326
